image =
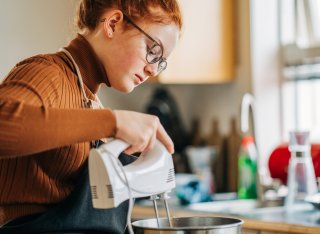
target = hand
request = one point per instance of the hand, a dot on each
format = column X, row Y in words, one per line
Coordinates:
column 140, row 131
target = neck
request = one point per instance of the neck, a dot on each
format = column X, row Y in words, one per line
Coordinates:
column 95, row 83
column 92, row 70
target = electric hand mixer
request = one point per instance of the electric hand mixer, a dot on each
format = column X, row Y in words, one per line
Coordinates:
column 152, row 174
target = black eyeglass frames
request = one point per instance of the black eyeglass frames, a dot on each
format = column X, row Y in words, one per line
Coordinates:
column 155, row 52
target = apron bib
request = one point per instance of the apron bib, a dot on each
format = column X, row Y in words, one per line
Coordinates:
column 75, row 214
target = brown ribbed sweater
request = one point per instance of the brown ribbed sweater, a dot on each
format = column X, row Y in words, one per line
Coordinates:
column 45, row 131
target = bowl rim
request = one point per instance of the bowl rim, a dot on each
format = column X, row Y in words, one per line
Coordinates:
column 237, row 223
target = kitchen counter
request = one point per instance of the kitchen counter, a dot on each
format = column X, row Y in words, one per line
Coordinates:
column 304, row 220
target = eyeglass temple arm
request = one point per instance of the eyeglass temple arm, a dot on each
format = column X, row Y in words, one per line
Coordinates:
column 140, row 29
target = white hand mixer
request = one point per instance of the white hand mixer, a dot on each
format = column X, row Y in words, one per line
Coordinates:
column 152, row 174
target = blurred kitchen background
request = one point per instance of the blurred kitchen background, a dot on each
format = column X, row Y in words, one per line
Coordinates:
column 228, row 48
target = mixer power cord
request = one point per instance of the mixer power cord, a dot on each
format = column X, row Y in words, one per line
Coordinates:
column 131, row 202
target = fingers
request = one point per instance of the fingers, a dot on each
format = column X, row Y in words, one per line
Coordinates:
column 130, row 150
column 140, row 131
column 163, row 137
column 151, row 143
column 136, row 147
column 145, row 144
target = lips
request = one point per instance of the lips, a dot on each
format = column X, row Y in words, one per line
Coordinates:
column 139, row 78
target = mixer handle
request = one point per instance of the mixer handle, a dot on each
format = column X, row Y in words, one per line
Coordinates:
column 115, row 146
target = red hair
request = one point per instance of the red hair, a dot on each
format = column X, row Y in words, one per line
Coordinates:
column 90, row 11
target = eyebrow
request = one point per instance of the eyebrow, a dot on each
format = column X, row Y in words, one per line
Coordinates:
column 141, row 30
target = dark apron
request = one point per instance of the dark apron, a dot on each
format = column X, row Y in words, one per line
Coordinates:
column 75, row 214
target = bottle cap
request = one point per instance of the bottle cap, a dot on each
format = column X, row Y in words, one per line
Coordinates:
column 247, row 140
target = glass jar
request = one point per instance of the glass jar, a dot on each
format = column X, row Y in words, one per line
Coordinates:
column 301, row 175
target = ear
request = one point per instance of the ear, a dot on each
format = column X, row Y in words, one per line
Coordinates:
column 112, row 20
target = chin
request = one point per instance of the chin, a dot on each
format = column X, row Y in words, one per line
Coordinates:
column 127, row 91
column 125, row 88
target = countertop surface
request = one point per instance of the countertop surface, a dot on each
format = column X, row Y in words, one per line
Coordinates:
column 303, row 214
column 303, row 217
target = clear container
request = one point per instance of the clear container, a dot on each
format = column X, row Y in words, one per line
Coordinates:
column 301, row 175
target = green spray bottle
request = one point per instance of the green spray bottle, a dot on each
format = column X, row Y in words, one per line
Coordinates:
column 247, row 169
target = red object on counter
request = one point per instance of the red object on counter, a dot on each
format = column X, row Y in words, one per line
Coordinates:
column 279, row 161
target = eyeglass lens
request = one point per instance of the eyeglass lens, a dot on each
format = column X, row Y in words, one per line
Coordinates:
column 154, row 55
column 162, row 65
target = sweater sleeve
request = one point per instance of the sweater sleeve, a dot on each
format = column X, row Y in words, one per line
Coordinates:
column 31, row 123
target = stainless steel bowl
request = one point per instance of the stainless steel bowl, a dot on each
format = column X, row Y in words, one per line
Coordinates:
column 194, row 225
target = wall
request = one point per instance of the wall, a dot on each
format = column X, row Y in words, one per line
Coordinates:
column 32, row 27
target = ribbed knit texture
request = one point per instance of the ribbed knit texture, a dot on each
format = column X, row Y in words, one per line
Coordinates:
column 45, row 131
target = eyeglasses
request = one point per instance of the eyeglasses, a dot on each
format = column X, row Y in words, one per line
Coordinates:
column 155, row 52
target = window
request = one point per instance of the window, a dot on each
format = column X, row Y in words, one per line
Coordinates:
column 300, row 40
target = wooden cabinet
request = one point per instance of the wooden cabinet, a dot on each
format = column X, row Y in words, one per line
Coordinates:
column 206, row 50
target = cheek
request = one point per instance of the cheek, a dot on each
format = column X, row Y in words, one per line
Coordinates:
column 133, row 59
column 131, row 53
column 128, row 63
column 125, row 66
column 122, row 64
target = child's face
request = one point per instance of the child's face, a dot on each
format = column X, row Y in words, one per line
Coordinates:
column 126, row 63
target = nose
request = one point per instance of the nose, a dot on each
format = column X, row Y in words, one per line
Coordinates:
column 151, row 69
